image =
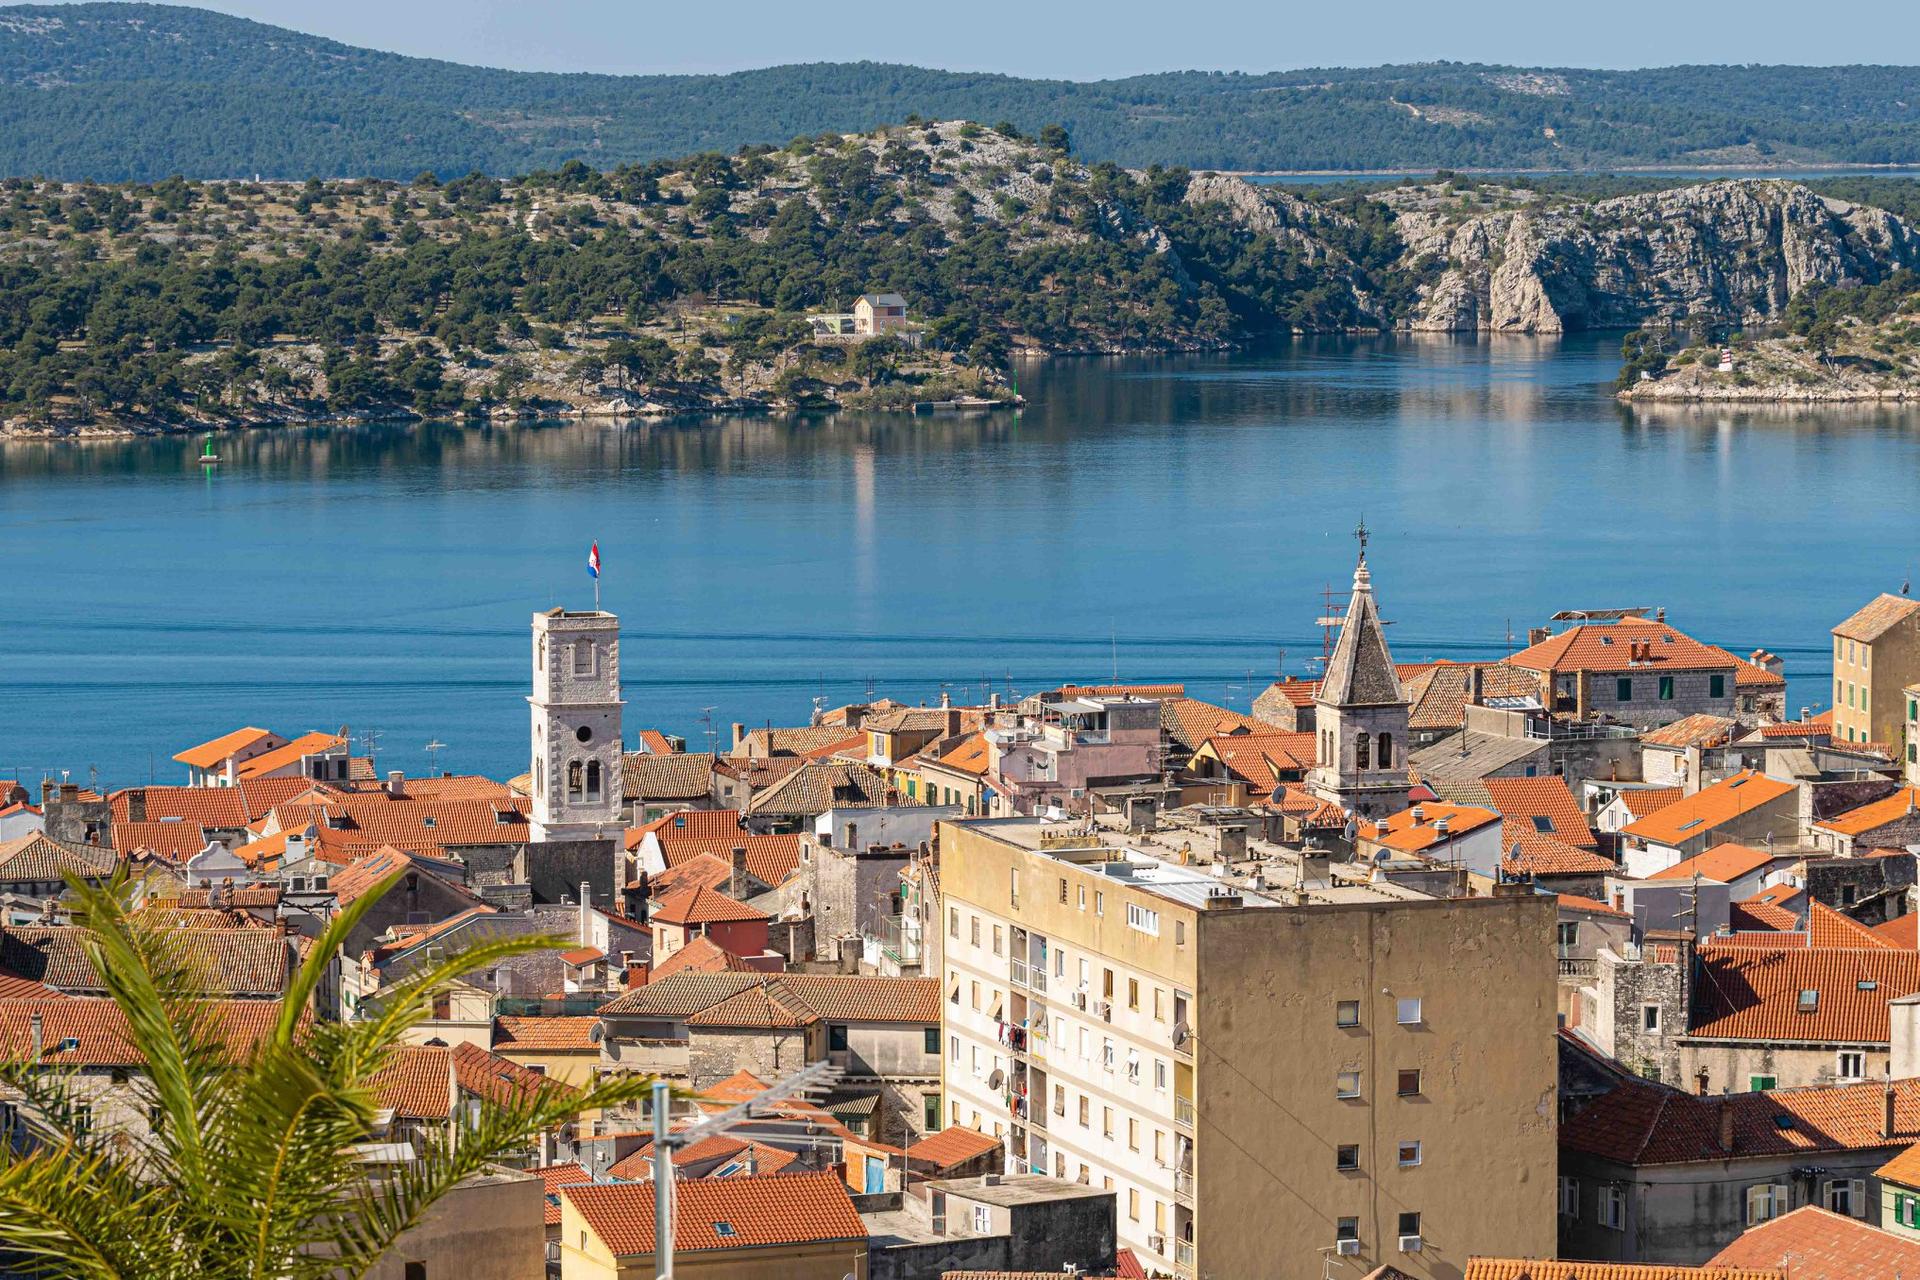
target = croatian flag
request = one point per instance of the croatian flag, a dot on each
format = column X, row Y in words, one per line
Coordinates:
column 593, row 561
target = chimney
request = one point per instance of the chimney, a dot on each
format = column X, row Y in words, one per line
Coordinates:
column 993, row 702
column 137, row 804
column 953, row 718
column 1886, row 1109
column 739, row 734
column 38, row 1035
column 946, row 700
column 1476, row 677
column 737, row 886
column 1660, row 614
column 1419, row 815
column 1537, row 634
column 1726, row 1125
column 1700, row 1082
column 586, row 914
column 396, row 783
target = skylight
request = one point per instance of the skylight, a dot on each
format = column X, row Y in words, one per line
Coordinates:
column 1542, row 823
column 1809, row 1001
column 1688, row 826
column 723, row 1229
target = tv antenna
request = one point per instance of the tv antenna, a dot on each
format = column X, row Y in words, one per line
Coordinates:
column 706, row 720
column 433, row 750
column 370, row 741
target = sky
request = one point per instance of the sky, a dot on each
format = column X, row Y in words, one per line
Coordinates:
column 1083, row 40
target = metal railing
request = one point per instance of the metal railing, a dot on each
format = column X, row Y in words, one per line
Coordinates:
column 1183, row 1112
column 1017, row 973
column 1183, row 1186
column 1183, row 1256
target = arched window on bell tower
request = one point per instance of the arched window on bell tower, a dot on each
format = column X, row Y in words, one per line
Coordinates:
column 1362, row 751
column 1386, row 751
column 593, row 779
column 576, row 779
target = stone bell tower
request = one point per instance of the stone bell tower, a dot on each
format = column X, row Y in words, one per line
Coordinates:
column 577, row 777
column 1360, row 713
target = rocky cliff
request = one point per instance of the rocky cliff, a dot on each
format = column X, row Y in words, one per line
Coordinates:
column 1736, row 249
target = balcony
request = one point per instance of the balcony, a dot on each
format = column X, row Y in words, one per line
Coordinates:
column 1017, row 973
column 1183, row 1187
column 1183, row 1257
column 1183, row 1112
column 1576, row 967
column 900, row 938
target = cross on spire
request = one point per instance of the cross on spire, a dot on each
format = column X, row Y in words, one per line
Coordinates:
column 1362, row 533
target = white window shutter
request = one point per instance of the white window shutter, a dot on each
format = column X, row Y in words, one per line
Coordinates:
column 1857, row 1197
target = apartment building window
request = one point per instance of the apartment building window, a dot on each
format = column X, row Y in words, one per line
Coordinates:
column 1143, row 919
column 1160, row 1216
column 1099, row 903
column 1059, row 1165
column 1409, row 1231
column 1059, row 1099
column 1160, row 1074
column 1133, row 1066
column 1346, row 1229
column 1407, row 1011
column 1410, row 1083
column 1084, row 971
column 1063, row 891
column 1346, row 1084
column 1650, row 1019
column 1106, row 984
column 1716, row 686
column 1106, row 1123
column 1623, row 689
column 1159, row 1146
column 1666, row 688
column 1346, row 1014
column 953, row 922
column 1086, row 1044
column 1346, row 1158
column 1086, row 1112
column 953, row 1047
column 1059, row 962
column 1847, row 1197
column 976, row 996
column 1767, row 1201
column 996, row 939
column 982, row 1220
column 975, row 930
column 1106, row 1053
column 1013, row 874
column 974, row 1053
column 1852, row 1066
column 1133, row 993
column 1409, row 1154
column 1133, row 1203
column 1133, row 1133
column 1159, row 1004
column 1083, row 897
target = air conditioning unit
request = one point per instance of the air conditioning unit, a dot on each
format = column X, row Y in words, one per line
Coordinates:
column 1157, row 1243
column 1347, row 1248
column 1409, row 1244
column 1104, row 1009
column 1080, row 1001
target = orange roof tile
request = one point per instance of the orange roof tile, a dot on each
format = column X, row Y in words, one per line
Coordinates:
column 1639, row 1122
column 1553, row 1269
column 1399, row 832
column 848, row 998
column 1543, row 803
column 731, row 1151
column 1901, row 804
column 417, row 1080
column 1700, row 813
column 1530, row 853
column 1812, row 1244
column 1724, row 862
column 1820, row 726
column 1642, row 801
column 307, row 744
column 218, row 807
column 539, row 1034
column 969, row 757
column 1903, row 1168
column 780, row 1209
column 209, row 754
column 1701, row 730
column 654, row 741
column 701, row 955
column 701, row 871
column 1260, row 758
column 1610, row 646
column 100, row 1032
column 1878, row 616
column 702, row 906
column 169, row 840
column 1748, row 992
column 1901, row 931
column 555, row 1176
column 1574, row 902
column 771, row 860
column 1751, row 675
column 952, row 1146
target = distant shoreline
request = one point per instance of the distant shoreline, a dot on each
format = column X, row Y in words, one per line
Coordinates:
column 1648, row 171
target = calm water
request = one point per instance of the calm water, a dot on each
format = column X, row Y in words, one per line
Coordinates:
column 1173, row 519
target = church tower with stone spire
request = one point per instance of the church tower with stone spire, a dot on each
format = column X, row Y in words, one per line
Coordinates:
column 1360, row 713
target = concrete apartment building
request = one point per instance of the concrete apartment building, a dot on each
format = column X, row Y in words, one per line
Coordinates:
column 1876, row 655
column 1265, row 1081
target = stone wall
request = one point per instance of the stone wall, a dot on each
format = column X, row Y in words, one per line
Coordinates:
column 714, row 1053
column 557, row 868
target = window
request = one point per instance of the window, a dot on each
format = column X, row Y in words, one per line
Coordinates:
column 836, row 1036
column 1133, row 1134
column 1650, row 1019
column 1386, row 751
column 1760, row 1084
column 1346, row 1084
column 953, row 1047
column 931, row 1102
column 973, row 926
column 1346, row 1158
column 1133, row 1203
column 583, row 657
column 1407, row 1011
column 1346, row 1014
column 1086, row 1112
column 1013, row 873
column 1570, row 1198
column 953, row 922
column 1767, row 1201
column 1106, row 984
column 1143, row 919
column 1666, row 688
column 1906, row 1209
column 1063, row 891
column 1362, row 751
column 1410, row 1083
column 1159, row 1004
column 976, row 995
column 1106, row 1053
column 1569, row 937
column 1346, row 1229
column 1849, row 894
column 1106, row 1122
column 1409, row 1154
column 1716, row 686
column 1409, row 1227
column 1159, row 1146
column 1160, row 1074
column 1133, row 993
column 1847, row 1197
column 1613, row 1208
column 996, row 939
column 1852, row 1066
column 1083, row 897
column 982, row 1220
column 931, row 1043
column 1623, row 689
column 418, row 1270
column 1099, row 903
column 1059, row 1099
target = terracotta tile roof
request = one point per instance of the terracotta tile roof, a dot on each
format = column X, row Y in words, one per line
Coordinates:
column 654, row 741
column 725, row 1152
column 169, row 841
column 1440, row 693
column 770, row 859
column 38, row 856
column 1877, row 617
column 209, row 754
column 222, row 808
column 1543, row 804
column 1530, row 853
column 407, row 938
column 685, row 776
column 700, row 871
column 700, row 955
column 820, row 785
column 416, row 1081
column 1397, row 831
column 244, row 895
column 1751, row 675
column 1901, row 804
column 681, row 995
column 907, row 720
column 763, row 1006
column 1700, row 813
column 1574, row 902
column 1550, row 1269
column 698, row 905
column 780, row 1209
column 969, row 757
column 552, row 1178
column 846, row 998
column 1123, row 691
column 796, row 741
column 1295, row 690
column 353, row 880
column 1903, row 1168
column 1749, row 992
column 1610, row 646
column 1701, row 730
column 445, row 786
column 1901, row 931
column 1762, row 916
column 952, row 1146
column 358, row 824
column 696, row 825
column 568, row 1033
column 1724, row 862
column 1812, row 1244
column 1639, row 1122
column 307, row 744
column 1313, row 811
column 101, row 1030
column 1643, row 802
column 234, row 962
column 1820, row 726
column 1259, row 759
column 1190, row 722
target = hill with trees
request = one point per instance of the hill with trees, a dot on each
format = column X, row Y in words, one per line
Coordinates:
column 135, row 91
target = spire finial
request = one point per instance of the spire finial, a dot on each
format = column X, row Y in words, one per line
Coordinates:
column 1362, row 533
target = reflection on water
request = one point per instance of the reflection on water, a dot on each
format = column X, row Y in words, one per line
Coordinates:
column 1185, row 512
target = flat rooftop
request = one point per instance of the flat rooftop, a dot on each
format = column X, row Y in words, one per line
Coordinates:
column 1017, row 1189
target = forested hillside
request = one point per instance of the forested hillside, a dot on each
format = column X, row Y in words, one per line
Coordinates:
column 128, row 91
